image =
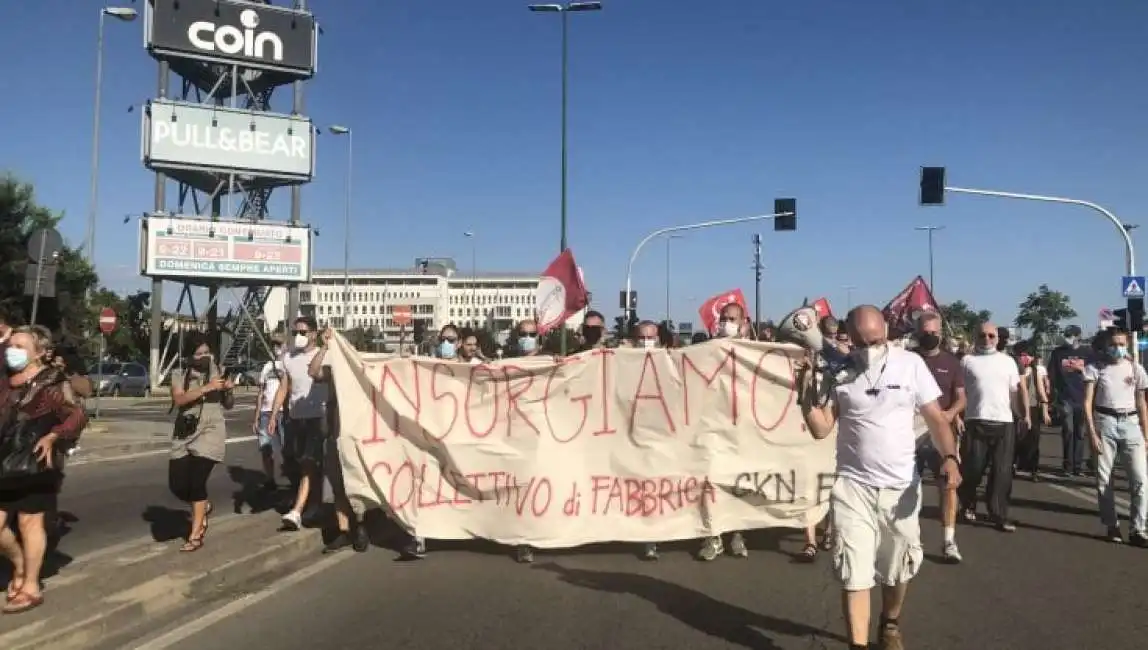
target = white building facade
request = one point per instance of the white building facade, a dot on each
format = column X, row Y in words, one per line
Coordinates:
column 434, row 290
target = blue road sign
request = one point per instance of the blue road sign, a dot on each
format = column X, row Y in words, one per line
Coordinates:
column 1132, row 286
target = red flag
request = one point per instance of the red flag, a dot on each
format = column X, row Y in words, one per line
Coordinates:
column 821, row 306
column 710, row 311
column 561, row 292
column 903, row 310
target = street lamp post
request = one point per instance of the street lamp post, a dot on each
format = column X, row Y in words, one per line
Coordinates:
column 933, row 189
column 930, row 230
column 564, row 10
column 473, row 270
column 337, row 129
column 691, row 226
column 849, row 295
column 123, row 14
column 669, row 238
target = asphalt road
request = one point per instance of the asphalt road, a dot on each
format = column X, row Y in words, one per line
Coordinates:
column 109, row 501
column 1052, row 584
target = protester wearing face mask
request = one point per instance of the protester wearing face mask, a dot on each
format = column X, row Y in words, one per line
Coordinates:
column 304, row 421
column 876, row 497
column 731, row 320
column 646, row 335
column 1065, row 371
column 39, row 417
column 1116, row 417
column 950, row 378
column 996, row 403
column 592, row 334
column 447, row 343
column 269, row 379
column 199, row 438
column 526, row 339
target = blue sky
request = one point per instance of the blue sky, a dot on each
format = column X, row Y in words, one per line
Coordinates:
column 680, row 112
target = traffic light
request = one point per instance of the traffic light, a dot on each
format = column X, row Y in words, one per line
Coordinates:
column 788, row 222
column 619, row 327
column 932, row 186
column 1135, row 314
column 633, row 324
column 420, row 329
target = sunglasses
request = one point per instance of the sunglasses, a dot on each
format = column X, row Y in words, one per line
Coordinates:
column 987, row 337
column 303, row 332
column 448, row 339
column 527, row 335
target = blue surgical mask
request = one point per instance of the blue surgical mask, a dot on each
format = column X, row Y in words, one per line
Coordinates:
column 527, row 343
column 16, row 358
column 446, row 350
column 1118, row 352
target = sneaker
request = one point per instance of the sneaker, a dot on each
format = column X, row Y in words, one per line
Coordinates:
column 416, row 549
column 524, row 555
column 1138, row 539
column 341, row 541
column 1113, row 535
column 1005, row 526
column 890, row 637
column 737, row 545
column 360, row 541
column 290, row 522
column 711, row 549
column 650, row 552
column 969, row 515
column 951, row 553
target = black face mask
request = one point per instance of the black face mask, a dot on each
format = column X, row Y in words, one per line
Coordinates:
column 929, row 341
column 202, row 364
column 592, row 334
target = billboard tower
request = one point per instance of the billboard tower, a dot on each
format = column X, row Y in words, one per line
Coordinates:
column 224, row 148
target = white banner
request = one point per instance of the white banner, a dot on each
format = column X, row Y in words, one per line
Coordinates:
column 609, row 445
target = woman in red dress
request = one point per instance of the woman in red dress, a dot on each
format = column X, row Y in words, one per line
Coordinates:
column 38, row 407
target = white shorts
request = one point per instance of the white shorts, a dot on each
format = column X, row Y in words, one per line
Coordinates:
column 877, row 534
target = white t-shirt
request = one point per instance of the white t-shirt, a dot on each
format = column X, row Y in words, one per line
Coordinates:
column 1116, row 384
column 990, row 381
column 876, row 441
column 308, row 398
column 269, row 380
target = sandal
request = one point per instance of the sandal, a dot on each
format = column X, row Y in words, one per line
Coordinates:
column 23, row 602
column 15, row 586
column 808, row 554
column 193, row 544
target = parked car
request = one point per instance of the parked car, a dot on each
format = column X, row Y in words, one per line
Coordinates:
column 118, row 379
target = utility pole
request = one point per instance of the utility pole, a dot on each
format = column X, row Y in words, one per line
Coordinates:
column 756, row 280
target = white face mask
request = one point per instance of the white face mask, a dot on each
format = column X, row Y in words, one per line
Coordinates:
column 648, row 343
column 301, row 341
column 871, row 356
column 729, row 330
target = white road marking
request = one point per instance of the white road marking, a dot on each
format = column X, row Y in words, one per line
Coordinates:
column 234, row 607
column 141, row 454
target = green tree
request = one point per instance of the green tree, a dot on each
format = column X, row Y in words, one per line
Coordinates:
column 20, row 215
column 960, row 319
column 1042, row 312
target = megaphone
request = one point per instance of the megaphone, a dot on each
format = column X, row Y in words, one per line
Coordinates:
column 800, row 326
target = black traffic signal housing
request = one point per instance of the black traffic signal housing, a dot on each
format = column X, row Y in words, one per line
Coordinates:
column 632, row 326
column 932, row 186
column 419, row 329
column 788, row 222
column 1131, row 318
column 619, row 327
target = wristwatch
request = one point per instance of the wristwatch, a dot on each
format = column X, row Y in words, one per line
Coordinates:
column 952, row 458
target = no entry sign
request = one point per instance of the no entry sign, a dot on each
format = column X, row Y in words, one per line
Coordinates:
column 107, row 320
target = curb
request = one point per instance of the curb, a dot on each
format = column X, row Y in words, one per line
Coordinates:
column 133, row 609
